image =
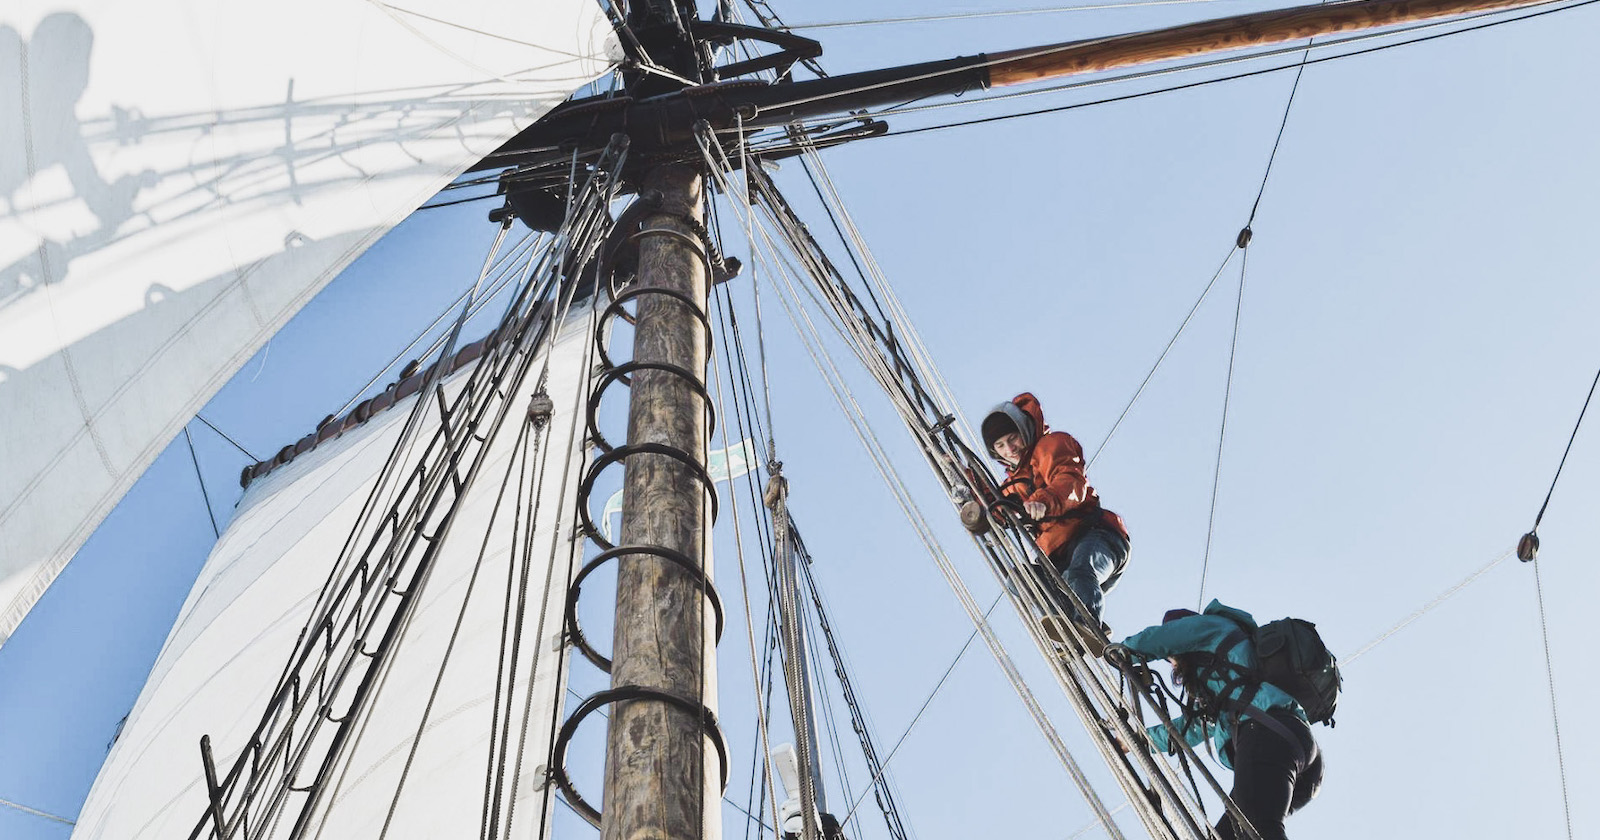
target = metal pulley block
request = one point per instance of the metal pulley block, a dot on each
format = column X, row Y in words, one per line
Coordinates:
column 974, row 518
column 1528, row 547
column 540, row 407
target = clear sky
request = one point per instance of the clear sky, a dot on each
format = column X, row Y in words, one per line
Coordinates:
column 1417, row 335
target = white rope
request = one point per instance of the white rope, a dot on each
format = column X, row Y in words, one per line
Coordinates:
column 1085, row 699
column 815, row 348
column 1550, row 678
column 35, row 812
column 762, row 723
column 1429, row 607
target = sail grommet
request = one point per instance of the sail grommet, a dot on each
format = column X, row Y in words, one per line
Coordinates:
column 678, row 558
column 1528, row 547
column 558, row 758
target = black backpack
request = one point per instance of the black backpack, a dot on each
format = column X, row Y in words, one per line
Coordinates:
column 1291, row 655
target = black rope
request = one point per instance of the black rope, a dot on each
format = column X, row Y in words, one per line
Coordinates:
column 927, row 701
column 202, row 418
column 458, row 201
column 858, row 719
column 1228, row 78
column 1568, row 451
column 1299, row 72
column 202, row 479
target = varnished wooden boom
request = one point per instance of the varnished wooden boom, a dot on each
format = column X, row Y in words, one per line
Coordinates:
column 1257, row 29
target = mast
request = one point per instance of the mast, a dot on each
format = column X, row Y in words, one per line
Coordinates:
column 658, row 783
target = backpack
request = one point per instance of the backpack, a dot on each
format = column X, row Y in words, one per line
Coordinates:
column 1291, row 655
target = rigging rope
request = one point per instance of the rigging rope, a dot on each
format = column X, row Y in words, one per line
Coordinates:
column 209, row 425
column 1429, row 606
column 1204, row 293
column 927, row 701
column 1227, row 401
column 206, row 497
column 1528, row 551
column 1555, row 718
column 1228, row 78
column 6, row 803
column 762, row 720
column 345, row 619
column 1565, row 452
column 1084, row 684
column 1134, row 4
column 811, row 339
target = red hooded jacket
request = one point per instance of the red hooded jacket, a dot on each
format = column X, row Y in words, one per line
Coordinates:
column 1051, row 472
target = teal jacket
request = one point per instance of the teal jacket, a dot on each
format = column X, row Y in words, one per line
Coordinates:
column 1206, row 633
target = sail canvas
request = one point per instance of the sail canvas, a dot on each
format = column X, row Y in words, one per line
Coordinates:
column 178, row 178
column 417, row 766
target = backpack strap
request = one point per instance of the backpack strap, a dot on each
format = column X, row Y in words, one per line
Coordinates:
column 1249, row 680
column 1246, row 711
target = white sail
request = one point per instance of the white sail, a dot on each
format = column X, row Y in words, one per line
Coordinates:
column 177, row 178
column 223, row 658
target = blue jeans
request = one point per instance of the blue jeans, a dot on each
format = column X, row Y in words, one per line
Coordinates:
column 1094, row 563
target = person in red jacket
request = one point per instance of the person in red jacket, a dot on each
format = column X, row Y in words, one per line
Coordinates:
column 1086, row 544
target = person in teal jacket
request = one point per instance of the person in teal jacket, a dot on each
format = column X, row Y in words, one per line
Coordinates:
column 1256, row 729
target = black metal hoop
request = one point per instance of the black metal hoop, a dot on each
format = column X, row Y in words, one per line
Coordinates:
column 619, row 373
column 586, row 487
column 575, row 631
column 614, row 309
column 558, row 760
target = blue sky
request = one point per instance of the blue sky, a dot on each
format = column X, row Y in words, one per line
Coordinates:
column 1416, row 339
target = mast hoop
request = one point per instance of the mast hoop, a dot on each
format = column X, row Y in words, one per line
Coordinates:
column 619, row 373
column 694, row 243
column 558, row 761
column 615, row 310
column 575, row 631
column 586, row 487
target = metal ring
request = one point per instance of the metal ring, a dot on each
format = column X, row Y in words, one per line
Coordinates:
column 558, row 760
column 693, row 241
column 615, row 309
column 620, row 373
column 575, row 632
column 586, row 486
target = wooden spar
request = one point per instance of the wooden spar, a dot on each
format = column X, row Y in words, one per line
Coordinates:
column 661, row 780
column 1258, row 29
column 666, row 122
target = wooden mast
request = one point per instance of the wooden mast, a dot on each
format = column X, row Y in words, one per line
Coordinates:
column 662, row 782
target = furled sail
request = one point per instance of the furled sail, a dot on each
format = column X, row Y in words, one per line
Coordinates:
column 451, row 705
column 177, row 178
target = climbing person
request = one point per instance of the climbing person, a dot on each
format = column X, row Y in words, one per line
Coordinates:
column 1257, row 728
column 1087, row 545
